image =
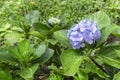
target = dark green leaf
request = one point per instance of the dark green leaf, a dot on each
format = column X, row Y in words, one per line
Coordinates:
column 110, row 51
column 6, row 57
column 45, row 57
column 15, row 53
column 41, row 28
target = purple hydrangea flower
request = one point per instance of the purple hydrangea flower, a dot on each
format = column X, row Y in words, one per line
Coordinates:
column 84, row 32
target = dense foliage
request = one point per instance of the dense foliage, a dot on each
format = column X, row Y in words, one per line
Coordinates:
column 69, row 38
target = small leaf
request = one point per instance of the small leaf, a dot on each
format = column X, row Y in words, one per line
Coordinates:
column 55, row 28
column 24, row 50
column 32, row 17
column 23, row 47
column 45, row 57
column 116, row 32
column 39, row 50
column 37, row 34
column 61, row 36
column 27, row 73
column 41, row 28
column 71, row 62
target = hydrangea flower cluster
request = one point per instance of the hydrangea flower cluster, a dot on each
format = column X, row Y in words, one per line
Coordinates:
column 84, row 32
column 53, row 21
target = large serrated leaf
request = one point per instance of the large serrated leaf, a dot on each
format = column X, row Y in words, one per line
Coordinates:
column 71, row 62
column 101, row 18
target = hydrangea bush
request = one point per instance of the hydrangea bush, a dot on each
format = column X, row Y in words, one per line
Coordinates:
column 30, row 36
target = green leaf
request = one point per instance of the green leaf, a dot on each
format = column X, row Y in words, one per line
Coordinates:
column 91, row 67
column 101, row 18
column 32, row 17
column 52, row 41
column 41, row 28
column 54, row 77
column 5, row 75
column 37, row 34
column 117, row 76
column 82, row 75
column 116, row 32
column 6, row 57
column 61, row 36
column 24, row 50
column 15, row 53
column 71, row 62
column 45, row 57
column 12, row 37
column 105, row 32
column 24, row 47
column 110, row 61
column 27, row 73
column 39, row 51
column 55, row 28
column 110, row 51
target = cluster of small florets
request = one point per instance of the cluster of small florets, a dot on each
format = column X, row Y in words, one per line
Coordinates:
column 84, row 32
column 53, row 21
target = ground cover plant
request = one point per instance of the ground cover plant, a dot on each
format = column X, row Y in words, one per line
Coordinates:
column 60, row 40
